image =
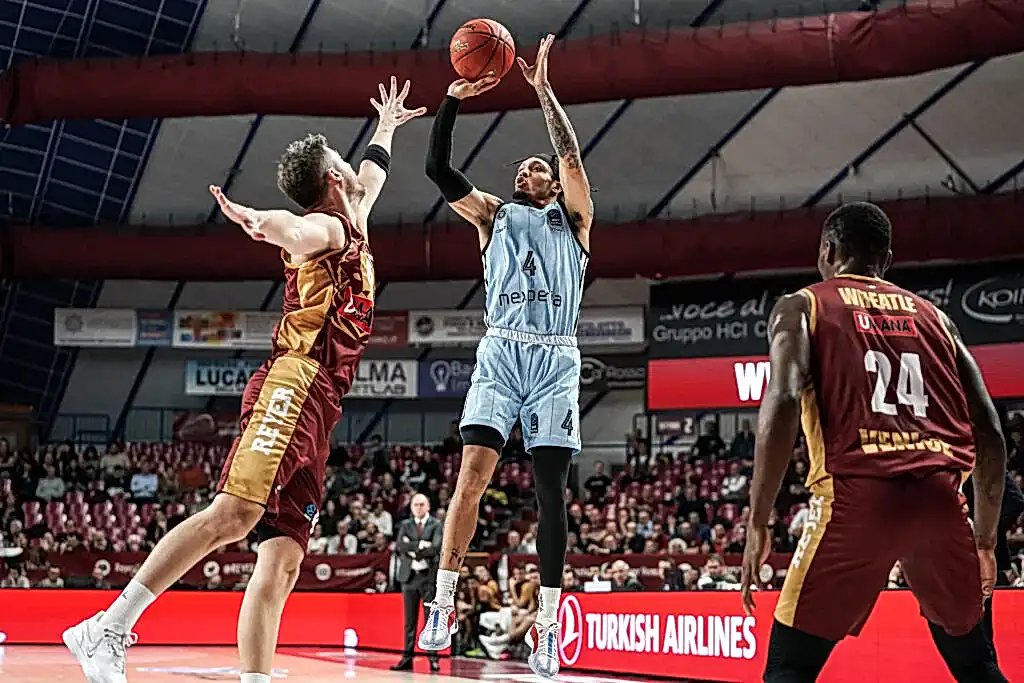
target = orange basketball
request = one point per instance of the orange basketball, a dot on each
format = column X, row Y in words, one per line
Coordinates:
column 482, row 47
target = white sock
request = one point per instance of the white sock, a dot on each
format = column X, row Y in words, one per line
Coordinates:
column 547, row 609
column 444, row 594
column 128, row 607
column 255, row 678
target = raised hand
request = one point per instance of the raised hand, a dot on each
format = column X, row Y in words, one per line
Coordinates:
column 391, row 108
column 537, row 75
column 461, row 89
column 243, row 215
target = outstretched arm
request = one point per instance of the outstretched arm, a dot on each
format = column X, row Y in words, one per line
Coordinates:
column 373, row 171
column 572, row 175
column 301, row 236
column 475, row 206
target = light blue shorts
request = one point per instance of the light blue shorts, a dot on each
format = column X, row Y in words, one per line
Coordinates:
column 536, row 383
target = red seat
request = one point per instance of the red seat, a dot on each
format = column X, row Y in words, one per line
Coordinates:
column 32, row 511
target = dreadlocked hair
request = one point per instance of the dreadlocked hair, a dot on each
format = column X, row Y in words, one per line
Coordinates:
column 862, row 230
column 302, row 170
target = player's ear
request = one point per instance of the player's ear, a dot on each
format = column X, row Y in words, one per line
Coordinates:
column 334, row 176
column 887, row 262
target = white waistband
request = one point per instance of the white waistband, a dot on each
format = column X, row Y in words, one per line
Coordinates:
column 530, row 337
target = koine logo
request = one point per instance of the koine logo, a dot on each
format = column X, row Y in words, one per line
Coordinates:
column 570, row 616
column 751, row 379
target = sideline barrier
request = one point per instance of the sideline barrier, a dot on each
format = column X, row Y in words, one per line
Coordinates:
column 676, row 635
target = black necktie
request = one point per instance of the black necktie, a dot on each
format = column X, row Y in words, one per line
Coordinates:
column 419, row 528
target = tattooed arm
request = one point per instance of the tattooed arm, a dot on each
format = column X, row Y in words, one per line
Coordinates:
column 573, row 176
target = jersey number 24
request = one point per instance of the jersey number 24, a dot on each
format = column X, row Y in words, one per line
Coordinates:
column 909, row 383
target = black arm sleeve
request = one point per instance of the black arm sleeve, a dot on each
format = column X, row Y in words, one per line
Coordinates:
column 378, row 155
column 453, row 185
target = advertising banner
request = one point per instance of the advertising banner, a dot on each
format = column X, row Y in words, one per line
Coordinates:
column 645, row 567
column 612, row 373
column 390, row 329
column 683, row 636
column 446, row 328
column 445, row 378
column 93, row 327
column 219, row 377
column 618, row 326
column 154, row 328
column 729, row 317
column 224, row 329
column 706, row 636
column 739, row 382
column 318, row 572
column 319, row 619
column 385, row 379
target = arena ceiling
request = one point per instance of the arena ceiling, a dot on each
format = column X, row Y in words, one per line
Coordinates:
column 948, row 132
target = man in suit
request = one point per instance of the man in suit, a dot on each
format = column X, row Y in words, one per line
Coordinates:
column 419, row 544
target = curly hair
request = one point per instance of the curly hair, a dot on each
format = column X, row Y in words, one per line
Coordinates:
column 302, row 170
column 862, row 229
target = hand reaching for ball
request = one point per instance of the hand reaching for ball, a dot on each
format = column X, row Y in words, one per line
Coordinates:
column 391, row 108
column 461, row 89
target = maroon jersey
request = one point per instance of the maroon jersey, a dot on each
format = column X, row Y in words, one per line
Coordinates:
column 886, row 397
column 328, row 306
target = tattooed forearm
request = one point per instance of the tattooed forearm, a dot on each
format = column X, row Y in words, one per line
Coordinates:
column 563, row 137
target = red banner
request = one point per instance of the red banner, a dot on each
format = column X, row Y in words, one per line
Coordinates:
column 318, row 573
column 702, row 635
column 957, row 228
column 586, row 567
column 210, row 618
column 656, row 62
column 707, row 383
column 706, row 636
column 390, row 329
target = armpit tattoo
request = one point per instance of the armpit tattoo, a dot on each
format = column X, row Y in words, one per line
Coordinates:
column 562, row 135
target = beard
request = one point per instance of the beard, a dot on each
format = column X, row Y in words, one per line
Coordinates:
column 520, row 195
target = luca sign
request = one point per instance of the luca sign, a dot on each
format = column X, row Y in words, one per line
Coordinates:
column 220, row 377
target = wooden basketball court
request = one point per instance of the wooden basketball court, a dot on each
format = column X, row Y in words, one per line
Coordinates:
column 49, row 664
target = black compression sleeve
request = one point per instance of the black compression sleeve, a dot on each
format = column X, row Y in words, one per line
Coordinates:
column 378, row 155
column 453, row 185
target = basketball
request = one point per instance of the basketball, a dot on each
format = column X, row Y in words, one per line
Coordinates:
column 482, row 47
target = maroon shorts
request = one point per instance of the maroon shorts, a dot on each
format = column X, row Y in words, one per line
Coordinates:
column 858, row 527
column 289, row 409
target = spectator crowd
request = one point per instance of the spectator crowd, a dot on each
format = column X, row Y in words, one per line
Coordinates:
column 686, row 507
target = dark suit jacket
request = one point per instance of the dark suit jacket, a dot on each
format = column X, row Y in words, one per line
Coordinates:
column 409, row 542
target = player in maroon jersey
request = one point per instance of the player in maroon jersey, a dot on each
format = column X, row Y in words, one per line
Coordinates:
column 896, row 415
column 272, row 482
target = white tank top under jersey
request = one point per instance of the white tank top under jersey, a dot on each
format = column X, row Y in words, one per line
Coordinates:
column 533, row 273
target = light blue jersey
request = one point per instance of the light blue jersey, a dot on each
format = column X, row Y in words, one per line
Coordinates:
column 533, row 270
column 528, row 366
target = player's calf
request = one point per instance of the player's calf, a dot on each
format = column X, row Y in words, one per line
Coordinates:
column 971, row 657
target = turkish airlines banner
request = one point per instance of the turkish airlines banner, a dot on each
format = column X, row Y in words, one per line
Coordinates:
column 706, row 636
column 702, row 635
column 739, row 382
column 730, row 317
column 318, row 572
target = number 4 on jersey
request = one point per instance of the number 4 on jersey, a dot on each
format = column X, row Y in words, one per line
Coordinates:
column 909, row 384
column 567, row 422
column 529, row 265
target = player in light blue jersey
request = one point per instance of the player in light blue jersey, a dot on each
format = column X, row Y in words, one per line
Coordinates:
column 535, row 250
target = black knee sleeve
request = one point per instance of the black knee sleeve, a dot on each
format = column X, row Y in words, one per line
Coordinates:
column 795, row 656
column 550, row 475
column 482, row 435
column 970, row 657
